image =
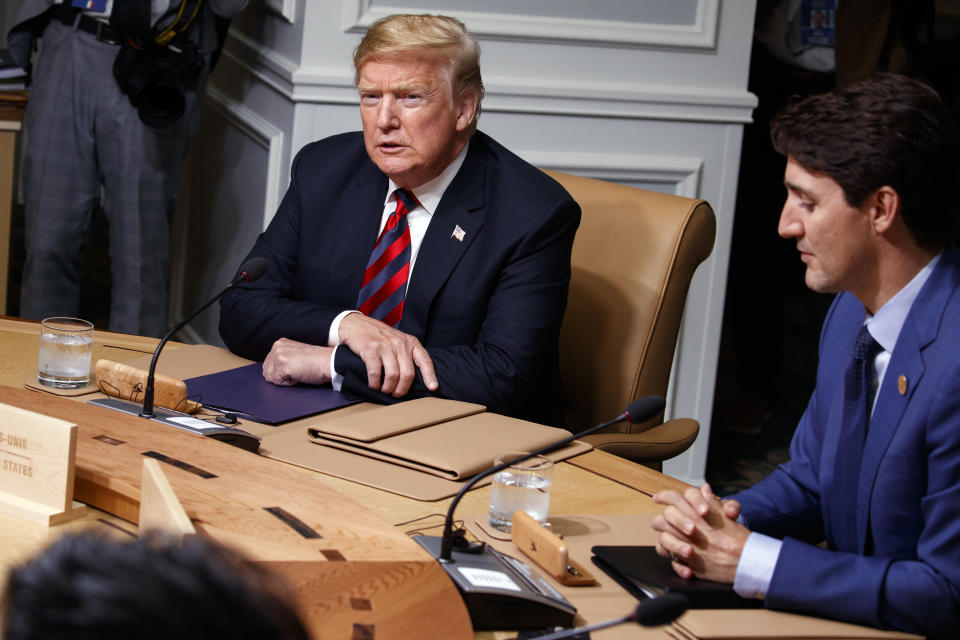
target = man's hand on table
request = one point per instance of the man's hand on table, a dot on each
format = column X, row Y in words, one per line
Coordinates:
column 290, row 362
column 387, row 351
column 700, row 534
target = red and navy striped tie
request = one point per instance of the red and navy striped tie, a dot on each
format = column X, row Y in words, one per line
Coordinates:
column 385, row 279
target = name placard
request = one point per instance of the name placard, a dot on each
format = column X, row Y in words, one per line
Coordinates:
column 37, row 457
column 159, row 507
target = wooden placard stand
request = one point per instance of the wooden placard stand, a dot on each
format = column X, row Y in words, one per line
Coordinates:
column 160, row 510
column 123, row 381
column 548, row 551
column 37, row 459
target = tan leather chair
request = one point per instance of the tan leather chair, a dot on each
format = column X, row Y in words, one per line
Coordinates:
column 633, row 258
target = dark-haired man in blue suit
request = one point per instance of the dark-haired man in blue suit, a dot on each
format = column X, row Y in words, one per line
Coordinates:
column 421, row 257
column 875, row 461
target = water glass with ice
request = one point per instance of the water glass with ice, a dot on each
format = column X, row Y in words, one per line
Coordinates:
column 524, row 486
column 65, row 348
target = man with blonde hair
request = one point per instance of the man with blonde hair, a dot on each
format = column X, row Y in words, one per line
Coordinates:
column 418, row 257
column 401, row 34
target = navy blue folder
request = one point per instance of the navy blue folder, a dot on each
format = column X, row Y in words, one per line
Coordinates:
column 243, row 391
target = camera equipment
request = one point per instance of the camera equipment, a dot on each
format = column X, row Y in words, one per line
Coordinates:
column 155, row 78
column 155, row 70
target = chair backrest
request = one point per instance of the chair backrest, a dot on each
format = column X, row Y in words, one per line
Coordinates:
column 633, row 258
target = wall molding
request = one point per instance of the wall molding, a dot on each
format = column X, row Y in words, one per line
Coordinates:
column 682, row 173
column 701, row 34
column 261, row 131
column 286, row 9
column 322, row 85
column 264, row 134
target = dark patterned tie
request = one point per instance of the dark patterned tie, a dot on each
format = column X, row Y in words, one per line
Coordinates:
column 385, row 278
column 858, row 393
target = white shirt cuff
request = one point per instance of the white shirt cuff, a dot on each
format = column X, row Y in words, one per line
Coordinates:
column 333, row 340
column 335, row 378
column 333, row 336
column 757, row 562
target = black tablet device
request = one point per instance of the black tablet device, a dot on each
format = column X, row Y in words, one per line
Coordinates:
column 645, row 574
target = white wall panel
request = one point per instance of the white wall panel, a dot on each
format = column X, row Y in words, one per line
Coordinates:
column 219, row 222
column 667, row 174
column 675, row 24
column 286, row 9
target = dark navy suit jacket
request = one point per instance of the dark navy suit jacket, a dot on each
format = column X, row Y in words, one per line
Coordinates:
column 893, row 560
column 488, row 307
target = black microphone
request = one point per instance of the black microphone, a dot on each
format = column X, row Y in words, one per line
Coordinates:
column 640, row 410
column 655, row 612
column 249, row 271
column 502, row 592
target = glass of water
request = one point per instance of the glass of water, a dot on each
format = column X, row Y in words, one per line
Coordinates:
column 524, row 486
column 65, row 348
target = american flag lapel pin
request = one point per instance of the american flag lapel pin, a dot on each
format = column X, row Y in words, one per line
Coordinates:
column 458, row 233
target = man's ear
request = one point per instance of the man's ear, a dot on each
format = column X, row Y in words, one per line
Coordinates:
column 466, row 110
column 884, row 208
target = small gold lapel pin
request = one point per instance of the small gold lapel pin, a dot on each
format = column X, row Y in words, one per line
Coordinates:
column 902, row 384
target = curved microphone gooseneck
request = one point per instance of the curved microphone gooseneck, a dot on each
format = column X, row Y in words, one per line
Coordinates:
column 249, row 271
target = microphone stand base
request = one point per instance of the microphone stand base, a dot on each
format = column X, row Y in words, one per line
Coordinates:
column 123, row 406
column 185, row 422
column 501, row 592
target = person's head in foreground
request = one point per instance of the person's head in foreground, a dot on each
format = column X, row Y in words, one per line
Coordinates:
column 86, row 586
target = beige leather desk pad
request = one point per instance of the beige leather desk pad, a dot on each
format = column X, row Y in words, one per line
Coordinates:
column 289, row 442
column 454, row 450
column 606, row 599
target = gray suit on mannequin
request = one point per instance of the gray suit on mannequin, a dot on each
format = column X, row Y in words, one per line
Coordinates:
column 83, row 135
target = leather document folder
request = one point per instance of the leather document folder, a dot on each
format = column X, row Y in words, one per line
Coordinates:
column 394, row 419
column 454, row 449
column 645, row 574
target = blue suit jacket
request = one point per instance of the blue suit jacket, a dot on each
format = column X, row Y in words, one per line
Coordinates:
column 894, row 561
column 488, row 307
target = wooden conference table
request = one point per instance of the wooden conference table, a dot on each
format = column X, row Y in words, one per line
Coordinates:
column 365, row 524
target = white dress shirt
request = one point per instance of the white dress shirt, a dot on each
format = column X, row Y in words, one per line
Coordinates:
column 428, row 195
column 760, row 553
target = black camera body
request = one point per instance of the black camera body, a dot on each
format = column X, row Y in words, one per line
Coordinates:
column 156, row 78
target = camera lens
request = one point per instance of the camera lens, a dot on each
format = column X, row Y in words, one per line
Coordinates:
column 161, row 99
column 157, row 78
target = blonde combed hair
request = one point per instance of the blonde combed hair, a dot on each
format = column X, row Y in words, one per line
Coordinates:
column 443, row 37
